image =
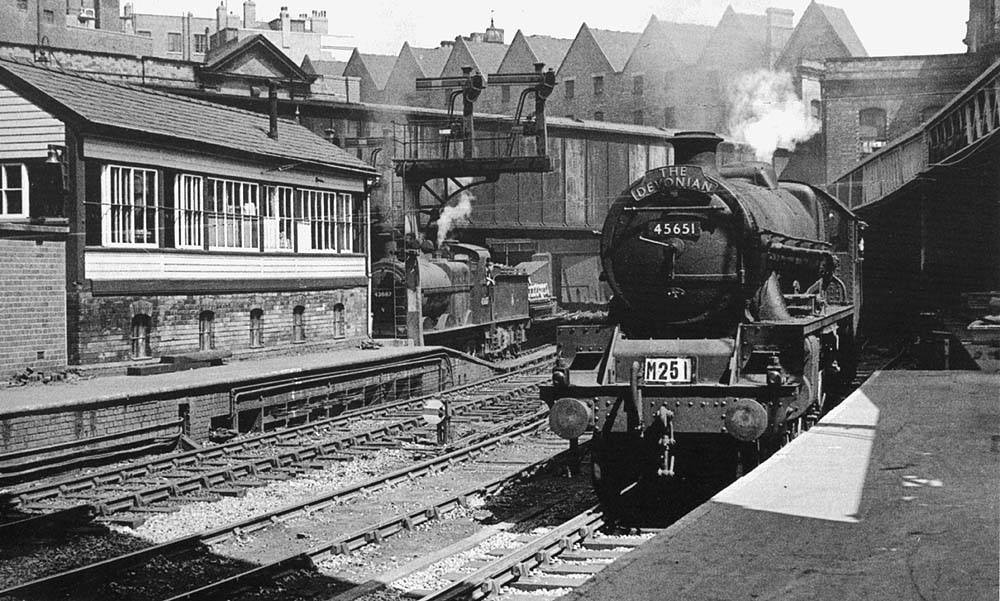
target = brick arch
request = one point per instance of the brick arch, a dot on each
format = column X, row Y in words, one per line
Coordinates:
column 142, row 307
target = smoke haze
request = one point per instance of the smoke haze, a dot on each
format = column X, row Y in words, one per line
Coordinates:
column 766, row 113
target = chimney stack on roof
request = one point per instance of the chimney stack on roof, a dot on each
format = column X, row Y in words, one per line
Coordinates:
column 250, row 14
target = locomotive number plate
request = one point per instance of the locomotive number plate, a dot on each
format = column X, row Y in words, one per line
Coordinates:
column 670, row 229
column 669, row 370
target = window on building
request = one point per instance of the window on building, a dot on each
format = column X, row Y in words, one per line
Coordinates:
column 637, row 117
column 130, row 210
column 598, row 85
column 279, row 219
column 345, row 224
column 141, row 326
column 331, row 222
column 504, row 94
column 189, row 211
column 22, row 4
column 598, row 115
column 232, row 214
column 339, row 321
column 637, row 84
column 669, row 117
column 200, row 42
column 144, row 33
column 872, row 129
column 256, row 328
column 13, row 190
column 49, row 16
column 816, row 109
column 570, row 87
column 299, row 324
column 206, row 330
column 174, row 42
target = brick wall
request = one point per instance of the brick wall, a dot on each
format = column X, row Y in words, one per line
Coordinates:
column 210, row 406
column 103, row 324
column 32, row 303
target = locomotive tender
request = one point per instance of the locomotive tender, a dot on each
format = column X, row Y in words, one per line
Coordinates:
column 734, row 306
column 456, row 298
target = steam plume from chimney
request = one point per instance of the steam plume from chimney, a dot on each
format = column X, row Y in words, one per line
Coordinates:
column 766, row 113
column 453, row 216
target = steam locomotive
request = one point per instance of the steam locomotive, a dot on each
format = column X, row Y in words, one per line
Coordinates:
column 735, row 299
column 456, row 297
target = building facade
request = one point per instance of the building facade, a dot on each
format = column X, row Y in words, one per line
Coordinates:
column 192, row 226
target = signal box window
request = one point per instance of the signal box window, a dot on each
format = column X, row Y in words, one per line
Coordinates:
column 299, row 324
column 598, row 85
column 570, row 86
column 13, row 190
column 129, row 206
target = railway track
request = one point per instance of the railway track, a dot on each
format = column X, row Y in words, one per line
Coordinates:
column 112, row 571
column 126, row 493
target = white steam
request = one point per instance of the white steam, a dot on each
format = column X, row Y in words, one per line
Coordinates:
column 453, row 216
column 766, row 113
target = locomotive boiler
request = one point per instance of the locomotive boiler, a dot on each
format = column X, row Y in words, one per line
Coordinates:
column 734, row 305
column 456, row 297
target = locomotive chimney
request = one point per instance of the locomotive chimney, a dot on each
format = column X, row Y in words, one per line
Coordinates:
column 695, row 147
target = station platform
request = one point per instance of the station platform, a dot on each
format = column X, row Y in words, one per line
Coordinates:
column 895, row 494
column 104, row 389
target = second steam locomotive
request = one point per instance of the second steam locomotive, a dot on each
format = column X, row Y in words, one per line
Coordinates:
column 734, row 304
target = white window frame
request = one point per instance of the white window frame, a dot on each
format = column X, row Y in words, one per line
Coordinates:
column 118, row 217
column 317, row 232
column 4, row 189
column 237, row 224
column 189, row 211
column 345, row 223
column 278, row 216
column 180, row 42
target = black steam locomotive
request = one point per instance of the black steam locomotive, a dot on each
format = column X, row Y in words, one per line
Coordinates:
column 735, row 298
column 456, row 297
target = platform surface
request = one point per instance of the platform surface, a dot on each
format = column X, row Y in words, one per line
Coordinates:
column 63, row 395
column 894, row 495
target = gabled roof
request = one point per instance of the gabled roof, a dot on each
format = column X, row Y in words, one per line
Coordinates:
column 842, row 26
column 688, row 39
column 106, row 106
column 487, row 55
column 431, row 60
column 323, row 68
column 617, row 45
column 380, row 66
column 739, row 33
column 234, row 59
column 549, row 50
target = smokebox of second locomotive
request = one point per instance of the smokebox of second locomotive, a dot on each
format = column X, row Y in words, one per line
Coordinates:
column 669, row 244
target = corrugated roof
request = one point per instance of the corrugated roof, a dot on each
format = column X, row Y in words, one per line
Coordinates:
column 431, row 60
column 488, row 55
column 142, row 110
column 617, row 45
column 842, row 25
column 380, row 66
column 549, row 50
